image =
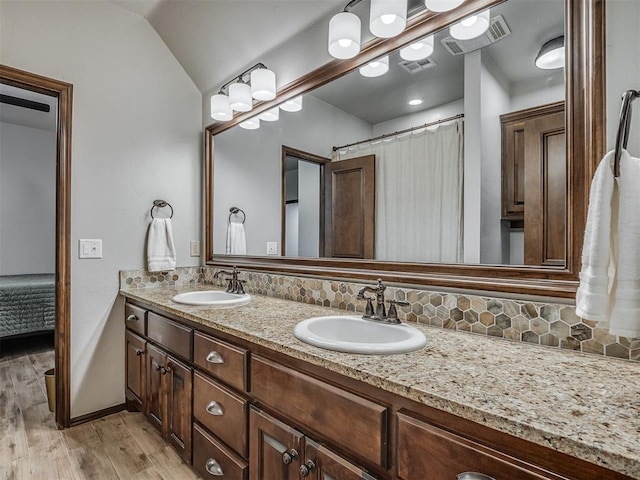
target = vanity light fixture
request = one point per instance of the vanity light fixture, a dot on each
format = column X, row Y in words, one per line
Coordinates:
column 388, row 18
column 472, row 26
column 251, row 124
column 240, row 97
column 220, row 109
column 551, row 55
column 376, row 68
column 415, row 102
column 263, row 84
column 442, row 5
column 293, row 104
column 418, row 50
column 270, row 115
column 345, row 33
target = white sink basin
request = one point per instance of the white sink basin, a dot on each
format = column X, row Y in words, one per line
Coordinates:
column 214, row 298
column 347, row 333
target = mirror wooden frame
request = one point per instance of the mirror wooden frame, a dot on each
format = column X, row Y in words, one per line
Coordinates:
column 586, row 137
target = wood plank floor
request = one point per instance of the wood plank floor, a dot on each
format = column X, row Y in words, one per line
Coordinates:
column 121, row 446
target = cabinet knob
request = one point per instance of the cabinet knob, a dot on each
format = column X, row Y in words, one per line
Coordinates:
column 290, row 456
column 132, row 318
column 214, row 468
column 158, row 366
column 139, row 352
column 306, row 468
column 473, row 476
column 214, row 408
column 165, row 370
column 214, row 357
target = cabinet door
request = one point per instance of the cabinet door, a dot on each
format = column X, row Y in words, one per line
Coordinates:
column 321, row 463
column 179, row 390
column 135, row 367
column 275, row 448
column 156, row 392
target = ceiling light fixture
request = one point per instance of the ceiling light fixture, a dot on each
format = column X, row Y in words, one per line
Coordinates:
column 251, row 124
column 418, row 50
column 263, row 84
column 240, row 97
column 388, row 18
column 551, row 55
column 220, row 109
column 292, row 105
column 471, row 27
column 415, row 101
column 442, row 5
column 345, row 33
column 376, row 68
column 270, row 115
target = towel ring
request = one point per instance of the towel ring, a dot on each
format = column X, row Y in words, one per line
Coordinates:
column 622, row 137
column 161, row 204
column 235, row 211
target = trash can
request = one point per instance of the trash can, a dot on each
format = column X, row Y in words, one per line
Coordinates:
column 50, row 382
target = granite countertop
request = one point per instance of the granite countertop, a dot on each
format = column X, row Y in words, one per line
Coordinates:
column 585, row 406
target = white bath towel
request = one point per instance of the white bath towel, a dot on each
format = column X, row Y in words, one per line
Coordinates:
column 161, row 252
column 236, row 241
column 609, row 288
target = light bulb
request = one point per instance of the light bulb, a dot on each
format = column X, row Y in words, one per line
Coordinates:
column 388, row 19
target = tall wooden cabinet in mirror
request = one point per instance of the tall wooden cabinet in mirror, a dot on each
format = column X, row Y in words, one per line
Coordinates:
column 580, row 87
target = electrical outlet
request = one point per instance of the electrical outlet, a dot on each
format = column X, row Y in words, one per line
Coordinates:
column 89, row 248
column 272, row 248
column 194, row 248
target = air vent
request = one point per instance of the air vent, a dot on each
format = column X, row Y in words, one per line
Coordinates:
column 498, row 29
column 415, row 66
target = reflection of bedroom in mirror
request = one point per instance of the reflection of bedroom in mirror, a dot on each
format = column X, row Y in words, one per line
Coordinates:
column 28, row 149
column 469, row 148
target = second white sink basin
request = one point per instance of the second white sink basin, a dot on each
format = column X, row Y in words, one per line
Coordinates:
column 353, row 334
column 214, row 298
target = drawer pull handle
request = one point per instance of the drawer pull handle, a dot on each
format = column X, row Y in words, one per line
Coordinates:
column 473, row 476
column 139, row 352
column 290, row 456
column 132, row 318
column 307, row 468
column 214, row 468
column 214, row 357
column 214, row 408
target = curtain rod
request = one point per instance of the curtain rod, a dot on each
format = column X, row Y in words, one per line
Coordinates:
column 380, row 137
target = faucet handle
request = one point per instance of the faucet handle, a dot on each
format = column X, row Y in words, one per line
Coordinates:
column 229, row 286
column 240, row 287
column 392, row 314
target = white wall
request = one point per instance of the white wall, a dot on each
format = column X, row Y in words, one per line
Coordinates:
column 136, row 137
column 27, row 200
column 309, row 209
column 247, row 166
column 429, row 115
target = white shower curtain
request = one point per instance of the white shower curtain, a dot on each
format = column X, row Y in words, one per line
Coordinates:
column 419, row 194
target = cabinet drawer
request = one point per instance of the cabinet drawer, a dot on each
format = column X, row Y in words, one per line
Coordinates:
column 342, row 418
column 224, row 413
column 172, row 335
column 134, row 318
column 222, row 360
column 427, row 451
column 211, row 459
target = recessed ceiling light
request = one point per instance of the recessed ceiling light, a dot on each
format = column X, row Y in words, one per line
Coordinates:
column 551, row 54
column 415, row 101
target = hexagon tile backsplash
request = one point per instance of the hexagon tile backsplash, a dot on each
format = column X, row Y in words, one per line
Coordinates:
column 547, row 324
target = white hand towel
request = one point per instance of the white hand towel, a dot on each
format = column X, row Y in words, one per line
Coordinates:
column 161, row 253
column 236, row 241
column 609, row 288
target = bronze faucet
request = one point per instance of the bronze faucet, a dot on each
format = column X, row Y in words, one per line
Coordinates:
column 380, row 313
column 234, row 285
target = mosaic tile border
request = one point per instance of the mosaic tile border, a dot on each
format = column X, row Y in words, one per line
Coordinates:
column 133, row 279
column 547, row 324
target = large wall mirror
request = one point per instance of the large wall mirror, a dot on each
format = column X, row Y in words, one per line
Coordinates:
column 469, row 168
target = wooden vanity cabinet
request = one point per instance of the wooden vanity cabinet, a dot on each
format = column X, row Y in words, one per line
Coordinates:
column 323, row 464
column 136, row 386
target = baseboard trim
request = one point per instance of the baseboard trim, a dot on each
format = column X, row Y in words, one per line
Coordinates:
column 96, row 415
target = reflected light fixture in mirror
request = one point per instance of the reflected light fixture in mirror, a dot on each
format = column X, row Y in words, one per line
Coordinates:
column 551, row 55
column 251, row 124
column 415, row 102
column 376, row 68
column 293, row 104
column 418, row 50
column 240, row 97
column 442, row 5
column 220, row 109
column 388, row 17
column 270, row 115
column 263, row 84
column 472, row 26
column 344, row 35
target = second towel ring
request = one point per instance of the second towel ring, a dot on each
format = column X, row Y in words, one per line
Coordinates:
column 235, row 211
column 161, row 204
column 622, row 137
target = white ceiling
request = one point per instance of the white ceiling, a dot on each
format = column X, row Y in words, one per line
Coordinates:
column 25, row 116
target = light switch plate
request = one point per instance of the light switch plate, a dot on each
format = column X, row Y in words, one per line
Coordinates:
column 194, row 248
column 272, row 248
column 89, row 248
